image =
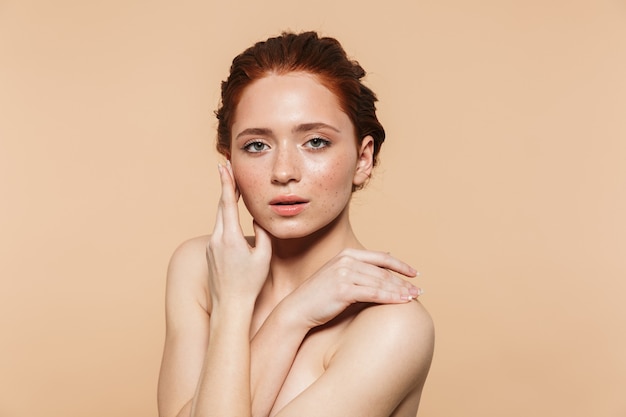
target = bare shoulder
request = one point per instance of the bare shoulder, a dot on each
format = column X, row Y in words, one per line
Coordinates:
column 394, row 343
column 403, row 331
column 191, row 254
column 411, row 313
column 409, row 322
column 187, row 275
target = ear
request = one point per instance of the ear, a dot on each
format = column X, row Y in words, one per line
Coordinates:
column 364, row 162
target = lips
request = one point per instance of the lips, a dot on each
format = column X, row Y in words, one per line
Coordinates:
column 288, row 205
column 288, row 199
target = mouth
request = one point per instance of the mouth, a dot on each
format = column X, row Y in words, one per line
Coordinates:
column 282, row 203
column 287, row 206
column 288, row 201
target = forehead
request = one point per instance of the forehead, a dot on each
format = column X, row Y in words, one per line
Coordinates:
column 288, row 99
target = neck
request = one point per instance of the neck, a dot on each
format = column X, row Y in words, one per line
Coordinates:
column 295, row 260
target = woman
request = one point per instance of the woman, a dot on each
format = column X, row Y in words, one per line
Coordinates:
column 299, row 320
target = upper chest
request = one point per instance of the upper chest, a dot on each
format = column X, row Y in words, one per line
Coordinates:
column 312, row 359
column 309, row 364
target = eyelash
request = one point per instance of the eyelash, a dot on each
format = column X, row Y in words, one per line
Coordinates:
column 324, row 143
column 249, row 147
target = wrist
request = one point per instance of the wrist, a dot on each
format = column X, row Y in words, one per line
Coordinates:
column 232, row 309
column 289, row 315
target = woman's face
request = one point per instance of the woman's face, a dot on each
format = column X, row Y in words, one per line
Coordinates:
column 295, row 156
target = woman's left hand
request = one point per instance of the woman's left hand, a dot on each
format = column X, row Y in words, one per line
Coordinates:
column 353, row 276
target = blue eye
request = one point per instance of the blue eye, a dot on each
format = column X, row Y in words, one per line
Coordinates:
column 317, row 143
column 255, row 147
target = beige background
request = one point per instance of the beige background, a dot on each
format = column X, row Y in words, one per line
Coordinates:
column 503, row 179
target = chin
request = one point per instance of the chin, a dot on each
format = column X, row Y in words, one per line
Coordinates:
column 285, row 234
column 300, row 230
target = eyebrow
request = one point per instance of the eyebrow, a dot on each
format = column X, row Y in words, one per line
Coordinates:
column 307, row 127
column 254, row 131
column 304, row 127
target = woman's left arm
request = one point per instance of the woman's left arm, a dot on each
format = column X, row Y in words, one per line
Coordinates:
column 381, row 362
column 353, row 276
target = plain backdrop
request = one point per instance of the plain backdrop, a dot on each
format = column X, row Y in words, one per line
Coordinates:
column 503, row 179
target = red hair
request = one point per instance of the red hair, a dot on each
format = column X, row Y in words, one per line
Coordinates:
column 307, row 52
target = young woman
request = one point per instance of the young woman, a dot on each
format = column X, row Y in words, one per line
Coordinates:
column 300, row 319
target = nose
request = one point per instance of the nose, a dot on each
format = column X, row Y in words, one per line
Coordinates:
column 286, row 166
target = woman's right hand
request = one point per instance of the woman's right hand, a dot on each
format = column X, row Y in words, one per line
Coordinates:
column 237, row 270
column 353, row 276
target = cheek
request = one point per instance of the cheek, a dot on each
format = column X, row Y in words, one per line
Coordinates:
column 247, row 182
column 335, row 180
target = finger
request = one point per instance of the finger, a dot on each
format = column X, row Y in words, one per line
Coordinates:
column 362, row 294
column 383, row 279
column 262, row 240
column 218, row 228
column 363, row 270
column 383, row 260
column 229, row 167
column 228, row 201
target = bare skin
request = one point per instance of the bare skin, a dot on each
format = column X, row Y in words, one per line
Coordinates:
column 300, row 320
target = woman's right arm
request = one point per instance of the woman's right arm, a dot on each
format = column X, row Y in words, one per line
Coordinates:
column 212, row 372
column 205, row 363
